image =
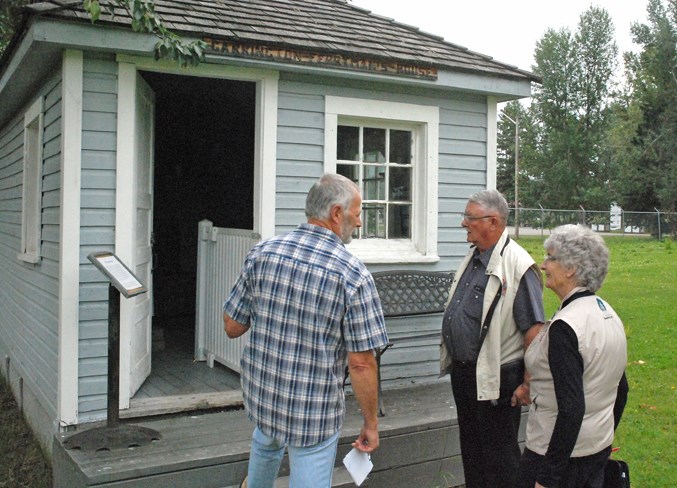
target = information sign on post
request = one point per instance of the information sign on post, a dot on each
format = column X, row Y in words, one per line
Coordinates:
column 114, row 435
column 118, row 274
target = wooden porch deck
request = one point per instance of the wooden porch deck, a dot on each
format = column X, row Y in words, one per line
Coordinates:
column 419, row 447
column 177, row 383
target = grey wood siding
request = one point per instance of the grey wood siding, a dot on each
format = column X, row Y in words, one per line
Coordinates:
column 414, row 356
column 29, row 292
column 97, row 229
column 300, row 151
column 462, row 150
column 462, row 171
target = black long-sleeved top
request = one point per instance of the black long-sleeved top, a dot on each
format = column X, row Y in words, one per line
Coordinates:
column 566, row 366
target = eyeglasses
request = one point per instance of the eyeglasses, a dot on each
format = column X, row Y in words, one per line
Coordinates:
column 471, row 218
column 548, row 257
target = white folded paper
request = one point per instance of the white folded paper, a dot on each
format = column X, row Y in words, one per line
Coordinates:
column 358, row 464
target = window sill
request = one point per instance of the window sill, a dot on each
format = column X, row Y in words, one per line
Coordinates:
column 380, row 251
column 29, row 258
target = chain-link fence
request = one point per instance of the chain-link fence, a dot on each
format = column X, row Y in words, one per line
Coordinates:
column 615, row 221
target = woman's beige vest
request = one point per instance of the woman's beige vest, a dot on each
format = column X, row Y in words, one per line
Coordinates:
column 602, row 345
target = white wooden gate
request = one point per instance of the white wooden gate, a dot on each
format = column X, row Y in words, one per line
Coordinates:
column 221, row 253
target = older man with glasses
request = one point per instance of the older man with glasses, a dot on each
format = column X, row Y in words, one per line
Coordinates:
column 495, row 309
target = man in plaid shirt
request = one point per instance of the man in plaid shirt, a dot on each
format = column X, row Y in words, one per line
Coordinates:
column 308, row 305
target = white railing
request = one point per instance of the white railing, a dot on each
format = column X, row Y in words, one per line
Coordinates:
column 221, row 253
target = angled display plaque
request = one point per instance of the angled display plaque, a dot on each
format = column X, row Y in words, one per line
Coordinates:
column 118, row 273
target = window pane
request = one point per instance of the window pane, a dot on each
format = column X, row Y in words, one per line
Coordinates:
column 374, row 145
column 400, row 184
column 350, row 171
column 398, row 221
column 348, row 143
column 400, row 146
column 374, row 182
column 373, row 221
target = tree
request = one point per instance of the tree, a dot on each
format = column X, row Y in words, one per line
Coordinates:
column 598, row 54
column 10, row 17
column 555, row 107
column 143, row 19
column 570, row 112
column 648, row 118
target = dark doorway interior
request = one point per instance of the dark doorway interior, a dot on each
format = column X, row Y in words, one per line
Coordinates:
column 204, row 169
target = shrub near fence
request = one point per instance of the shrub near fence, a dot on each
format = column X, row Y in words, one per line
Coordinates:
column 658, row 224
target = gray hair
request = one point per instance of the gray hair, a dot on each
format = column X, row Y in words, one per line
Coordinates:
column 331, row 189
column 494, row 201
column 578, row 247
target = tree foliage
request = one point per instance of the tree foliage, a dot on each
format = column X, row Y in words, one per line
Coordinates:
column 571, row 109
column 564, row 163
column 585, row 141
column 647, row 118
column 10, row 17
column 514, row 117
column 144, row 19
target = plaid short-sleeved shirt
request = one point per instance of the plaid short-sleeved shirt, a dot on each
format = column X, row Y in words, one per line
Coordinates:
column 308, row 301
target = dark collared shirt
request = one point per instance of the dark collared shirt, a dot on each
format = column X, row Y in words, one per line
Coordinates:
column 461, row 326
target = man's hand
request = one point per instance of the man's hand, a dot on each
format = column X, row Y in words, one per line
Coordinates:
column 368, row 440
column 521, row 395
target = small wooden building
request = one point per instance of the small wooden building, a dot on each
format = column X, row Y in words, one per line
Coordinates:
column 179, row 170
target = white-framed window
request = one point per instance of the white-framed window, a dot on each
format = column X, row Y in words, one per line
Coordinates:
column 390, row 150
column 31, row 221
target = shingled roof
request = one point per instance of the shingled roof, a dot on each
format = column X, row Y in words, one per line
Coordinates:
column 324, row 26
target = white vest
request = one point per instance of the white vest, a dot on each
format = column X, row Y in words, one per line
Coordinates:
column 503, row 343
column 603, row 347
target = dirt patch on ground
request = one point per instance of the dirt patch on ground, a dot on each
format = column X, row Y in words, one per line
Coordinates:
column 22, row 462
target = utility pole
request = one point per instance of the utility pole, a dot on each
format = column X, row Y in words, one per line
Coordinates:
column 517, row 158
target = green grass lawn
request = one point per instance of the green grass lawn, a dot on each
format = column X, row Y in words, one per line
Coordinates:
column 642, row 288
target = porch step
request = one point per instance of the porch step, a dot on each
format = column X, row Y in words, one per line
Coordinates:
column 419, row 447
column 340, row 479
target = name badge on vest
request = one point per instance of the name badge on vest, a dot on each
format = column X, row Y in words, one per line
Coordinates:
column 605, row 313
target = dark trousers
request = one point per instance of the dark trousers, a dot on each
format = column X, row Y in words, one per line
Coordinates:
column 488, row 433
column 581, row 472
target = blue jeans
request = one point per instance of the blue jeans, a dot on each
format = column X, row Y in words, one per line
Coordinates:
column 311, row 467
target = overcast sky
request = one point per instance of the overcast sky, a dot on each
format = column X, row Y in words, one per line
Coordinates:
column 506, row 30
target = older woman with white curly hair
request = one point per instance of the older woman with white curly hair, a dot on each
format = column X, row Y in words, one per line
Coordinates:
column 576, row 364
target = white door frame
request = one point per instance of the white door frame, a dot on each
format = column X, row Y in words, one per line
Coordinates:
column 265, row 163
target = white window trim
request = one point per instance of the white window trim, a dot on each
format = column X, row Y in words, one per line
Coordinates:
column 31, row 203
column 422, row 247
column 69, row 236
column 492, row 141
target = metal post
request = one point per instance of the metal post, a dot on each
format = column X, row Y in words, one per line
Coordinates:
column 113, row 356
column 113, row 435
column 517, row 172
column 542, row 218
column 658, row 213
column 517, row 152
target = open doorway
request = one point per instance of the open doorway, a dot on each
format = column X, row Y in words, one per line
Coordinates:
column 203, row 169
